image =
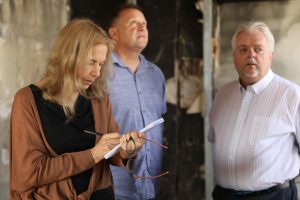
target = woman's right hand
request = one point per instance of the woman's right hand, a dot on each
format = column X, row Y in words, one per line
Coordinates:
column 106, row 143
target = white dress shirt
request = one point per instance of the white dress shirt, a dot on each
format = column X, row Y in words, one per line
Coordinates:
column 255, row 133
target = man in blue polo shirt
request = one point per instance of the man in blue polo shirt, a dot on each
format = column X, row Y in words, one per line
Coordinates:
column 137, row 93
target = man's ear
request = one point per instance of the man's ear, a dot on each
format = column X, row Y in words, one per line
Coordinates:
column 112, row 32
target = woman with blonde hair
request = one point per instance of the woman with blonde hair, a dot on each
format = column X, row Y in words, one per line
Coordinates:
column 52, row 154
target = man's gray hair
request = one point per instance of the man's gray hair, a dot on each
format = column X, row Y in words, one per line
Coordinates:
column 255, row 26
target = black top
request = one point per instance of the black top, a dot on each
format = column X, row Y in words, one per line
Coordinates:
column 66, row 137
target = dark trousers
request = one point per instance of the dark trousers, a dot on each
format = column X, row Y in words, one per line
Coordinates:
column 289, row 193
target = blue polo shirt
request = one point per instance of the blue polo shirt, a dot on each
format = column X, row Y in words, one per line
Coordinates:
column 137, row 100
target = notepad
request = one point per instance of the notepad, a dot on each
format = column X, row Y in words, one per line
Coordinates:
column 144, row 130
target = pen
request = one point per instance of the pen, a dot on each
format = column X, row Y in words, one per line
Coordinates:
column 94, row 133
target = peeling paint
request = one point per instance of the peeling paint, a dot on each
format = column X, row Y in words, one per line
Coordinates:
column 190, row 80
column 4, row 156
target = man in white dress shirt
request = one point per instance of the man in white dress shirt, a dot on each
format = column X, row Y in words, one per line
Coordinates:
column 255, row 124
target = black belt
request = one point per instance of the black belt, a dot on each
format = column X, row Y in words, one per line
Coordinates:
column 243, row 194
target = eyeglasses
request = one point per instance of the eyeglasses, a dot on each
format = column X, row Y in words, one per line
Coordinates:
column 130, row 148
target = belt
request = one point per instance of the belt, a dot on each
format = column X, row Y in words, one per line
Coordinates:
column 243, row 194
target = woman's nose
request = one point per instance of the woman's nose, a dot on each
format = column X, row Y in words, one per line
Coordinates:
column 96, row 71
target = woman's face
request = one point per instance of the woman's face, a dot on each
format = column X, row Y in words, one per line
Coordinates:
column 96, row 59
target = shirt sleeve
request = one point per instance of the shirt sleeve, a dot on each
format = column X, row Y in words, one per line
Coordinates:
column 164, row 94
column 211, row 132
column 297, row 123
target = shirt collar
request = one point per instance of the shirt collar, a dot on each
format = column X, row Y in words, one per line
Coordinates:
column 260, row 85
column 118, row 62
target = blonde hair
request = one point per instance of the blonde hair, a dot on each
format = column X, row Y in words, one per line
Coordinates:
column 69, row 54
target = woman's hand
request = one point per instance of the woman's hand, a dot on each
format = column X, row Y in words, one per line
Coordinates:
column 131, row 143
column 106, row 143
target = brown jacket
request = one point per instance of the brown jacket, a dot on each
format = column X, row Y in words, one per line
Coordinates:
column 36, row 171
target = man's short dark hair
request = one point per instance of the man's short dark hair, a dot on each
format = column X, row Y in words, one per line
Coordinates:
column 116, row 12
